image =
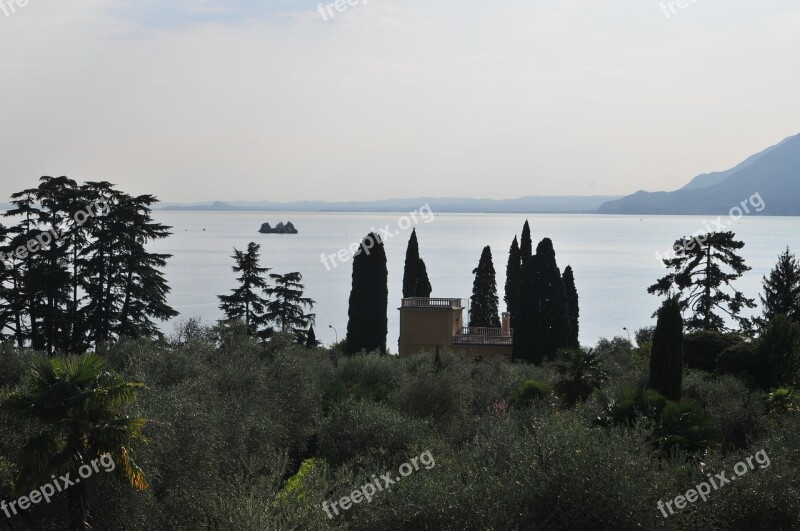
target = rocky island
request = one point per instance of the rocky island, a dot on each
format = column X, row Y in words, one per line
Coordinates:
column 280, row 228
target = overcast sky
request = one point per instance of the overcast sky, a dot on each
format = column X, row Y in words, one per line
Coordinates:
column 195, row 100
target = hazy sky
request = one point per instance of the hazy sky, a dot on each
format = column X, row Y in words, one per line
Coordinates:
column 195, row 100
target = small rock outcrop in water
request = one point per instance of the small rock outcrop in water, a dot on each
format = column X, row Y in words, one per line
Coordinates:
column 280, row 228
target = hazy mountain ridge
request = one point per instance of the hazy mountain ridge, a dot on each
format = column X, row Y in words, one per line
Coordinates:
column 773, row 174
column 529, row 204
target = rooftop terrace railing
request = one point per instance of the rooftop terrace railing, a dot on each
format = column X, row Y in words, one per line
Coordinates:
column 482, row 331
column 423, row 302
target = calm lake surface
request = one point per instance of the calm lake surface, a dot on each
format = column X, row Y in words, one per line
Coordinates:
column 614, row 258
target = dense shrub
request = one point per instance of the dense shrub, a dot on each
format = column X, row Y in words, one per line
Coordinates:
column 779, row 353
column 737, row 411
column 701, row 348
column 363, row 428
column 248, row 437
column 372, row 377
column 741, row 359
column 530, row 391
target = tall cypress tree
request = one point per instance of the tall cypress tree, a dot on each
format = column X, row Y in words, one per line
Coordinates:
column 528, row 329
column 483, row 308
column 411, row 270
column 422, row 286
column 311, row 338
column 666, row 357
column 782, row 289
column 525, row 243
column 573, row 311
column 552, row 301
column 415, row 274
column 367, row 323
column 513, row 279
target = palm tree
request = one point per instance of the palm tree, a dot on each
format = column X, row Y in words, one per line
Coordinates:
column 76, row 400
column 582, row 372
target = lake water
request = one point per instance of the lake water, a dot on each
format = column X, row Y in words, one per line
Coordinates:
column 614, row 258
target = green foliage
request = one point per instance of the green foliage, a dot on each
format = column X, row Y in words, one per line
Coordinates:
column 415, row 274
column 683, row 426
column 91, row 278
column 701, row 348
column 542, row 326
column 240, row 439
column 531, row 391
column 483, row 304
column 295, row 487
column 740, row 359
column 247, row 303
column 631, row 405
column 737, row 411
column 644, row 335
column 781, row 294
column 779, row 353
column 287, row 305
column 513, row 280
column 358, row 428
column 704, row 267
column 666, row 357
column 77, row 401
column 686, row 426
column 13, row 363
column 783, row 401
column 573, row 310
column 582, row 372
column 525, row 243
column 370, row 377
column 367, row 323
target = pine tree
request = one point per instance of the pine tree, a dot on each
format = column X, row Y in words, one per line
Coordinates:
column 483, row 307
column 573, row 311
column 86, row 277
column 287, row 307
column 513, row 280
column 666, row 358
column 143, row 289
column 782, row 289
column 525, row 243
column 367, row 323
column 246, row 302
column 697, row 269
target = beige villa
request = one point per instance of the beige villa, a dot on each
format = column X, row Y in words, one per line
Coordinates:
column 426, row 324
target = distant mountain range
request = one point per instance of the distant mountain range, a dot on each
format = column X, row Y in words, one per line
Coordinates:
column 773, row 174
column 531, row 204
